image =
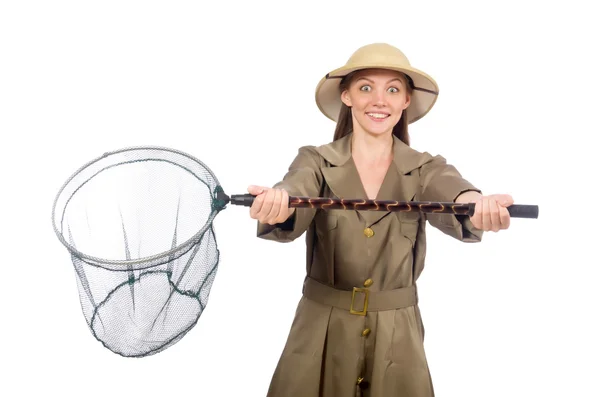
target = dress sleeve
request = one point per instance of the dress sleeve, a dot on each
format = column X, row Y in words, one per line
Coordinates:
column 442, row 182
column 304, row 178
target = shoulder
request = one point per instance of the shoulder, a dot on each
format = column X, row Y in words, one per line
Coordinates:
column 310, row 152
column 307, row 156
column 409, row 159
column 336, row 153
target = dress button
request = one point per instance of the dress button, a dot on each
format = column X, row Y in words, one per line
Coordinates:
column 369, row 232
column 366, row 332
column 368, row 282
column 362, row 383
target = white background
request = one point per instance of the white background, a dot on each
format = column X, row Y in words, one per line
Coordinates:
column 232, row 83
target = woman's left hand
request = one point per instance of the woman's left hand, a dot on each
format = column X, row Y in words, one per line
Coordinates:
column 490, row 211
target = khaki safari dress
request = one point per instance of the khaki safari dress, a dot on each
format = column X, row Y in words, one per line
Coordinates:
column 357, row 330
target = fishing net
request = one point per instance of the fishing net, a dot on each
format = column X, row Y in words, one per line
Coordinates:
column 138, row 224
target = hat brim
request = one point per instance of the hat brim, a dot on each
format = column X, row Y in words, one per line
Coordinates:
column 424, row 96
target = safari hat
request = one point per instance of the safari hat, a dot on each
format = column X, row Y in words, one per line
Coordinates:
column 379, row 56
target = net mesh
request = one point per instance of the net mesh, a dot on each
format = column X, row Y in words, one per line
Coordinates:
column 138, row 225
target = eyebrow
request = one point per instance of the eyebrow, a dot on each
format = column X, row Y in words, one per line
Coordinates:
column 371, row 81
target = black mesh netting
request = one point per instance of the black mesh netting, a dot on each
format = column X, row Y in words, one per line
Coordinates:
column 138, row 225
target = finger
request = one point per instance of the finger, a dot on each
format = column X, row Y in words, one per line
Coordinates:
column 281, row 204
column 486, row 220
column 274, row 212
column 476, row 219
column 504, row 200
column 257, row 205
column 284, row 208
column 478, row 216
column 258, row 201
column 494, row 215
column 504, row 218
column 256, row 190
column 267, row 205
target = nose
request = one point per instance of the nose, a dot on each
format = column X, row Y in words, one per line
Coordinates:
column 379, row 98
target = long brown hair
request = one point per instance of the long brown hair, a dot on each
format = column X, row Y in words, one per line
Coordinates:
column 344, row 124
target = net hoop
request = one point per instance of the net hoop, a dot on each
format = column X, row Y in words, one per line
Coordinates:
column 61, row 202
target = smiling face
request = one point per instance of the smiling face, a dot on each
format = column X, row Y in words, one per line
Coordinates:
column 377, row 99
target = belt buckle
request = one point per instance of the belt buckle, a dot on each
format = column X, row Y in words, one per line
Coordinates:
column 362, row 312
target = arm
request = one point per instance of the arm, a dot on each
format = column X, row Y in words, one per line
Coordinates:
column 442, row 182
column 303, row 178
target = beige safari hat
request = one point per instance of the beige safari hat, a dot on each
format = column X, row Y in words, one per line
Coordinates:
column 379, row 56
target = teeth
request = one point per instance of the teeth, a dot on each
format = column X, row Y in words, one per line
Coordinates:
column 377, row 115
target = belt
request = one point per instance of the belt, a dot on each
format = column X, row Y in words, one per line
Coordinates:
column 363, row 298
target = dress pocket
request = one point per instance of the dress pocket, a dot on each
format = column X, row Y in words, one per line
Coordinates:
column 332, row 221
column 407, row 342
column 326, row 221
column 410, row 229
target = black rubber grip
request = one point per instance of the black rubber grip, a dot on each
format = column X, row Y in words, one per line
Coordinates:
column 242, row 199
column 515, row 211
column 523, row 211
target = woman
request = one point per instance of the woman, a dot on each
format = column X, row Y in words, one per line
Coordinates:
column 340, row 343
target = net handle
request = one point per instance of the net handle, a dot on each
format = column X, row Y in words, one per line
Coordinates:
column 515, row 210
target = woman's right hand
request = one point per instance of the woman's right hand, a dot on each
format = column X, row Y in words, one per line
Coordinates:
column 270, row 205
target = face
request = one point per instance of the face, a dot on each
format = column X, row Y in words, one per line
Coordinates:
column 377, row 99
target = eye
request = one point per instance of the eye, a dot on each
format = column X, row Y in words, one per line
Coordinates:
column 365, row 88
column 393, row 89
